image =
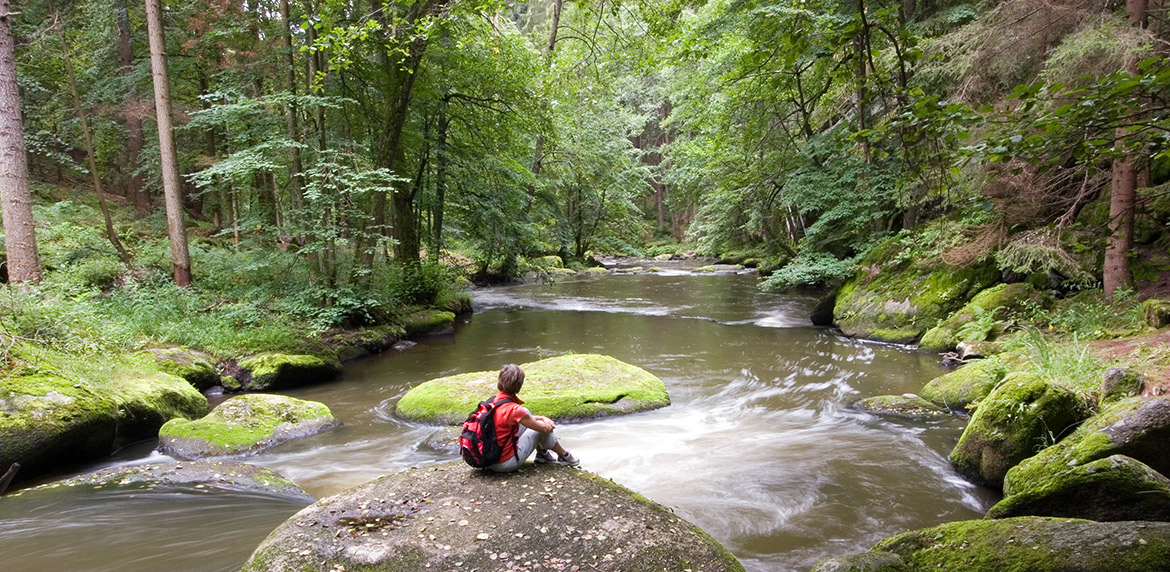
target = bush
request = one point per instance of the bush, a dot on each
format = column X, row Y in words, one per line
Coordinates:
column 817, row 270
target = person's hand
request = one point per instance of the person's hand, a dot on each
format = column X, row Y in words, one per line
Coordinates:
column 547, row 421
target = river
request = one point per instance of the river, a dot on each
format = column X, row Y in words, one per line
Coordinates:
column 759, row 447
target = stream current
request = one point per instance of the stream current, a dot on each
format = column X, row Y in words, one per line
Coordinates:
column 759, row 447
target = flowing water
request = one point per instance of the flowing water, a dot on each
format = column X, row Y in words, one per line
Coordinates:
column 759, row 447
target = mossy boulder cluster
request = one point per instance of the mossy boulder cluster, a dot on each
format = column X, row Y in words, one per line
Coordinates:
column 275, row 371
column 1031, row 544
column 244, row 424
column 984, row 318
column 897, row 302
column 566, row 388
column 452, row 517
column 223, row 475
column 196, row 367
column 48, row 417
column 1020, row 417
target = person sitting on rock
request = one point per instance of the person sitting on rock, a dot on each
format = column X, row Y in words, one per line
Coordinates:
column 519, row 432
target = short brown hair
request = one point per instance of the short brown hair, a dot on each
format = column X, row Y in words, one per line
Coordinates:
column 511, row 379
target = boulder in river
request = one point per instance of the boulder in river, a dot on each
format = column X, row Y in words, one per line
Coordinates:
column 1024, row 544
column 1110, row 489
column 904, row 407
column 245, row 424
column 1136, row 427
column 1020, row 417
column 47, row 420
column 960, row 389
column 273, row 371
column 452, row 517
column 223, row 475
column 566, row 388
column 429, row 321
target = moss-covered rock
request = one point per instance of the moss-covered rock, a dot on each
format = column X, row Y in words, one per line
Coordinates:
column 194, row 366
column 244, row 424
column 1021, row 416
column 569, row 387
column 1110, row 489
column 1135, row 427
column 1156, row 313
column 48, row 420
column 991, row 307
column 430, row 321
column 875, row 561
column 452, row 517
column 897, row 302
column 904, row 407
column 1120, row 383
column 275, row 371
column 353, row 344
column 960, row 389
column 457, row 302
column 1034, row 544
column 224, row 475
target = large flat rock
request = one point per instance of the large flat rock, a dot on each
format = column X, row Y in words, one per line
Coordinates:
column 568, row 387
column 452, row 517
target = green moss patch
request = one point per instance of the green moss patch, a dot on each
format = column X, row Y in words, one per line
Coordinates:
column 1034, row 544
column 194, row 366
column 274, row 371
column 983, row 318
column 46, row 417
column 1111, row 489
column 577, row 386
column 452, row 517
column 245, row 424
column 898, row 302
column 965, row 386
column 424, row 322
column 1021, row 416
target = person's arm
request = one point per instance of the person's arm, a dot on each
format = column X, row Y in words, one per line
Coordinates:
column 538, row 423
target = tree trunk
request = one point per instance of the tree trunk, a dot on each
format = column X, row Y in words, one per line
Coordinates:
column 1122, row 195
column 440, row 181
column 24, row 260
column 111, row 234
column 135, row 189
column 180, row 257
column 294, row 133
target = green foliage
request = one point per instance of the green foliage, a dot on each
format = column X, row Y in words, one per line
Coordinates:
column 816, row 270
column 1068, row 364
column 1041, row 251
column 1087, row 316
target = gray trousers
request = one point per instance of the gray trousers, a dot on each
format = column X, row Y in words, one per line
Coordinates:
column 526, row 443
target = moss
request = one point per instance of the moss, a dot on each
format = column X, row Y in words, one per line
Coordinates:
column 1115, row 488
column 277, row 370
column 875, row 561
column 903, row 406
column 455, row 301
column 996, row 304
column 897, row 303
column 1034, row 544
column 1021, row 416
column 965, row 386
column 428, row 322
column 1156, row 313
column 193, row 366
column 244, row 424
column 578, row 386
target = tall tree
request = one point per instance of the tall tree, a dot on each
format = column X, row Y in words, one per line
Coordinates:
column 135, row 190
column 24, row 260
column 172, row 190
column 1121, row 201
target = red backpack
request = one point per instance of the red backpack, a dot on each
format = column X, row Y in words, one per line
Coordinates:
column 478, row 443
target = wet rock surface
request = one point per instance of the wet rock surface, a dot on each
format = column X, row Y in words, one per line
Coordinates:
column 224, row 475
column 452, row 517
column 1110, row 489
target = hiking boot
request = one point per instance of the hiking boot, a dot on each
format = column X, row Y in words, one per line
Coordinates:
column 568, row 459
column 544, row 456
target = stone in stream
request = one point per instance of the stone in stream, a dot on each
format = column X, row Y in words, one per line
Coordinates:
column 1025, row 544
column 49, row 419
column 452, row 517
column 272, row 371
column 244, row 424
column 194, row 366
column 565, row 388
column 960, row 389
column 908, row 406
column 222, row 475
column 1014, row 422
